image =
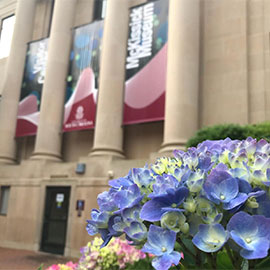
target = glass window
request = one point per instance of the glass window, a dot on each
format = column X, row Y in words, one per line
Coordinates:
column 100, row 9
column 4, row 200
column 7, row 27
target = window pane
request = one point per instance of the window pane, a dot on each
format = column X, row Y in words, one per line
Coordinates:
column 6, row 36
column 4, row 200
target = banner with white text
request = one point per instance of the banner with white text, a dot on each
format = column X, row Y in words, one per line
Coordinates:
column 33, row 79
column 82, row 80
column 146, row 63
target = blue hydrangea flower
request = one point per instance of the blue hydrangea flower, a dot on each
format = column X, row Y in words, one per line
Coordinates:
column 252, row 195
column 128, row 197
column 155, row 208
column 190, row 204
column 205, row 163
column 137, row 231
column 191, row 158
column 102, row 224
column 174, row 221
column 142, row 177
column 118, row 224
column 264, row 206
column 182, row 174
column 241, row 173
column 221, row 187
column 195, row 181
column 160, row 242
column 108, row 233
column 122, row 182
column 210, row 237
column 259, row 177
column 126, row 217
column 131, row 214
column 106, row 200
column 106, row 237
column 191, row 194
column 207, row 211
column 99, row 221
column 263, row 147
column 162, row 184
column 251, row 233
column 161, row 166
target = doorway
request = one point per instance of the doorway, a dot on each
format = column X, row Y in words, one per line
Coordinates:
column 55, row 220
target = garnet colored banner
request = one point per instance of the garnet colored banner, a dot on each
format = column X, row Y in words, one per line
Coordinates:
column 82, row 81
column 34, row 72
column 146, row 63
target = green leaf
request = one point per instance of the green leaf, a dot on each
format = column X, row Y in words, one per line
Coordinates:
column 223, row 261
column 141, row 264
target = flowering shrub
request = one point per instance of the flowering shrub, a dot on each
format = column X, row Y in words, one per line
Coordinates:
column 67, row 266
column 211, row 202
column 116, row 255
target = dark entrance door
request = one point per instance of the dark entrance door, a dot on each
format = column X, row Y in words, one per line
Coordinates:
column 55, row 220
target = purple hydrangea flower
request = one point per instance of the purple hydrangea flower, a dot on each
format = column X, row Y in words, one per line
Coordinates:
column 160, row 242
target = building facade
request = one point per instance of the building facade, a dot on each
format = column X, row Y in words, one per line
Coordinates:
column 218, row 67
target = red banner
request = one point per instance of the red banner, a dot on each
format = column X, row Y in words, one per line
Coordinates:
column 80, row 106
column 146, row 63
column 31, row 91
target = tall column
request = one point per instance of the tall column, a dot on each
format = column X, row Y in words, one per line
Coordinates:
column 108, row 138
column 49, row 138
column 12, row 78
column 181, row 107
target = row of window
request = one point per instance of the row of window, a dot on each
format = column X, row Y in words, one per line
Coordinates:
column 7, row 27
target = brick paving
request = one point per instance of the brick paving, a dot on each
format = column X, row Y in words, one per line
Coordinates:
column 15, row 259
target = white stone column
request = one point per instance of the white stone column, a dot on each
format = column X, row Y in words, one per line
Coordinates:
column 49, row 134
column 181, row 107
column 12, row 79
column 108, row 138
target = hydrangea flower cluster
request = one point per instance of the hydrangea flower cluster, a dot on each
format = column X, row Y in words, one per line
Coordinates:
column 116, row 255
column 67, row 266
column 216, row 196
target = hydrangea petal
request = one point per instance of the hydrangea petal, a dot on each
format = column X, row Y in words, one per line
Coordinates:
column 152, row 210
column 236, row 223
column 239, row 200
column 210, row 238
column 165, row 262
column 259, row 250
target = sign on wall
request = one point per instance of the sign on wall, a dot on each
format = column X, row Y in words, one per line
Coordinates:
column 146, row 63
column 33, row 79
column 82, row 81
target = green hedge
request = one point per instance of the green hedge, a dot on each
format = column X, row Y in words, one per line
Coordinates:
column 233, row 131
